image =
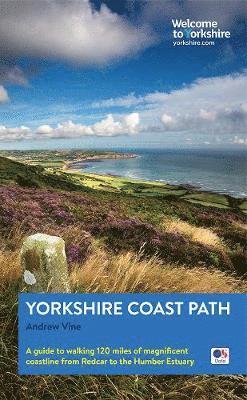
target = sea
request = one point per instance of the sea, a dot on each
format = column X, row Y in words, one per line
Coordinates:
column 220, row 171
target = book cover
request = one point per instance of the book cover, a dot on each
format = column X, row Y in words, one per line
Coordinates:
column 123, row 199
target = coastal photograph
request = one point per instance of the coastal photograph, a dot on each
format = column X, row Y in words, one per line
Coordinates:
column 123, row 131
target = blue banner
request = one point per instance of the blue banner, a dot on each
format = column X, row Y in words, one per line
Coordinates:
column 64, row 334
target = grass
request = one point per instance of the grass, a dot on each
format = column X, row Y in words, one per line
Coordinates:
column 196, row 234
column 49, row 163
column 128, row 272
column 209, row 198
column 13, row 172
column 9, row 267
column 243, row 206
column 206, row 203
column 139, row 188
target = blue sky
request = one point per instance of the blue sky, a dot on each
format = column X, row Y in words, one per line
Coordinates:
column 107, row 74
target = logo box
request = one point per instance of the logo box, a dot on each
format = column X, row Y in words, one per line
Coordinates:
column 220, row 355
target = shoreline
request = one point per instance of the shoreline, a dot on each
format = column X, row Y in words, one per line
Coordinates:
column 184, row 186
column 99, row 158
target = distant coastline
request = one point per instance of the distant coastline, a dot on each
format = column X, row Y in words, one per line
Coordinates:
column 200, row 170
column 101, row 157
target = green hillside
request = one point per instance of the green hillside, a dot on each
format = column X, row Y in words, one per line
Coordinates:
column 37, row 176
column 14, row 172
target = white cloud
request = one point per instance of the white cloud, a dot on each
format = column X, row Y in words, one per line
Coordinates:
column 239, row 140
column 207, row 115
column 71, row 31
column 213, row 106
column 168, row 121
column 131, row 100
column 107, row 127
column 17, row 133
column 125, row 101
column 44, row 129
column 225, row 120
column 3, row 95
column 132, row 122
column 207, row 105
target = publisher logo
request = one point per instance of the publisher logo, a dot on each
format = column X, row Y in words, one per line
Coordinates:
column 220, row 355
column 187, row 32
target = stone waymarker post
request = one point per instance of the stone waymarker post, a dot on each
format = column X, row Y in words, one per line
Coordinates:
column 44, row 264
